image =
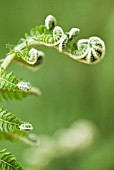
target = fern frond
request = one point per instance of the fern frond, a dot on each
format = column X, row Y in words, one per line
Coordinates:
column 8, row 161
column 9, row 122
column 8, row 81
column 11, row 87
column 19, row 94
column 89, row 51
column 47, row 37
column 30, row 58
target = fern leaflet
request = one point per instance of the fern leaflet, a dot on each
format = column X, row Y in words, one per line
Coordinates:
column 9, row 122
column 8, row 161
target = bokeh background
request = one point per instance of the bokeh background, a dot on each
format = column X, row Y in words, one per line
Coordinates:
column 70, row 90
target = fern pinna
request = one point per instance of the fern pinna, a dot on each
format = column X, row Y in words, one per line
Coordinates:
column 8, row 161
column 89, row 51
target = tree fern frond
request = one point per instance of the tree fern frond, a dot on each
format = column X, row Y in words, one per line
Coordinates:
column 8, row 161
column 9, row 122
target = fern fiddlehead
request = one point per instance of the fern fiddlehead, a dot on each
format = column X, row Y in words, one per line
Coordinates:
column 50, row 22
column 89, row 51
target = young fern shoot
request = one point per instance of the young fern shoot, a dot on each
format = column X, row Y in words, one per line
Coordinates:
column 89, row 51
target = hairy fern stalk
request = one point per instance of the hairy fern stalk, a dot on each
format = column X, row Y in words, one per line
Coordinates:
column 89, row 51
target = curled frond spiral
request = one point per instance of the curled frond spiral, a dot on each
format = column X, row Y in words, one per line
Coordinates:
column 94, row 50
column 89, row 51
column 73, row 33
column 68, row 39
column 29, row 56
column 50, row 22
column 42, row 36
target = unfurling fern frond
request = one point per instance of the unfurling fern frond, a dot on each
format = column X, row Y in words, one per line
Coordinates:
column 50, row 22
column 10, row 123
column 89, row 51
column 30, row 58
column 42, row 36
column 8, row 161
column 48, row 35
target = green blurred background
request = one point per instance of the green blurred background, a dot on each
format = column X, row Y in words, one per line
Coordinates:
column 70, row 90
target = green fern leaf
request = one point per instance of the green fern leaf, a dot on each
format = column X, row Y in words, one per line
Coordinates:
column 8, row 82
column 11, row 83
column 9, row 122
column 8, row 161
column 10, row 95
column 18, row 94
column 11, row 87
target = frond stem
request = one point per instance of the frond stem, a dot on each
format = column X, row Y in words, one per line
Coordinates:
column 7, row 61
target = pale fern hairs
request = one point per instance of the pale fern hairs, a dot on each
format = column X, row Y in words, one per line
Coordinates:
column 88, row 51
